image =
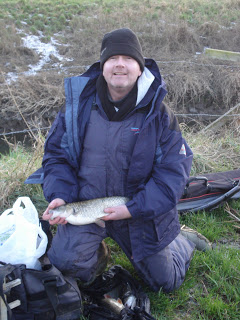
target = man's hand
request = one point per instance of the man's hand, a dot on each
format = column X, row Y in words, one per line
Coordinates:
column 54, row 204
column 117, row 213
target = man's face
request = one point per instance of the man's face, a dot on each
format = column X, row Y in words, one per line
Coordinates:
column 120, row 73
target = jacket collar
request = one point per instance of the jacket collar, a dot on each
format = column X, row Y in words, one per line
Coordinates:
column 144, row 83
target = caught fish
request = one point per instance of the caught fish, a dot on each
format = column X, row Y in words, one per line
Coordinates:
column 89, row 211
column 115, row 305
column 123, row 290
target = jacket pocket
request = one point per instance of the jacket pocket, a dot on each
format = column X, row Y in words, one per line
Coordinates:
column 150, row 234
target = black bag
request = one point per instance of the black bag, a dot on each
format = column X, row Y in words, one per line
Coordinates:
column 118, row 283
column 209, row 191
column 44, row 294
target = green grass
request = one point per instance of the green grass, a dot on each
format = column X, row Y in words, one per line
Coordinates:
column 53, row 16
column 15, row 167
column 211, row 289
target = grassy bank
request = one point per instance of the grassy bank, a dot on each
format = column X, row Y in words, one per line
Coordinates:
column 211, row 289
column 53, row 16
column 15, row 167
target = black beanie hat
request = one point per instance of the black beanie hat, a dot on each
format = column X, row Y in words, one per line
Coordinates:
column 121, row 42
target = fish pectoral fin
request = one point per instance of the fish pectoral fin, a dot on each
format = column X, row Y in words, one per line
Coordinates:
column 72, row 211
column 119, row 301
column 100, row 223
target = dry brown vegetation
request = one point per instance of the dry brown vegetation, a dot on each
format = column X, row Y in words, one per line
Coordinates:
column 15, row 167
column 196, row 84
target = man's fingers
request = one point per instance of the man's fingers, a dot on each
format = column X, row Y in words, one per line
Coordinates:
column 57, row 220
column 117, row 213
column 52, row 205
column 46, row 216
column 108, row 217
column 109, row 210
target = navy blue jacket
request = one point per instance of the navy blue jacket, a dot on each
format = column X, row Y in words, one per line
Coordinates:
column 158, row 171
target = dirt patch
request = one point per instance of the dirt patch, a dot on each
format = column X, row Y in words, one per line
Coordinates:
column 227, row 243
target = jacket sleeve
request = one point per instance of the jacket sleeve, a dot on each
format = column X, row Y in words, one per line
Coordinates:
column 171, row 168
column 60, row 178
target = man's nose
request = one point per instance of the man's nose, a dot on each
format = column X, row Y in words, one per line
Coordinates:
column 120, row 61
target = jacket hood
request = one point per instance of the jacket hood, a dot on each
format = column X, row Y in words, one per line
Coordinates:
column 144, row 82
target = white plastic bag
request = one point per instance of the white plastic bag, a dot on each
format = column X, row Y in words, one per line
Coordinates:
column 22, row 239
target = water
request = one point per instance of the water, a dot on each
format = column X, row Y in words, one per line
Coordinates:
column 13, row 140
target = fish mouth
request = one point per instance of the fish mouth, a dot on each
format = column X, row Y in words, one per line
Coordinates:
column 59, row 213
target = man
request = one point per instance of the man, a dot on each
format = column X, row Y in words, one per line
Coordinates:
column 117, row 137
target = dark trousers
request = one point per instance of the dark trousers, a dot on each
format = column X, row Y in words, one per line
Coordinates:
column 74, row 252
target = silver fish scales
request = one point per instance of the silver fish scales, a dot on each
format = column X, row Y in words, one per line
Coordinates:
column 86, row 212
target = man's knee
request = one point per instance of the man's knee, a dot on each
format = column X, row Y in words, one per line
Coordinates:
column 166, row 285
column 77, row 266
column 161, row 279
column 74, row 250
column 164, row 270
column 82, row 265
